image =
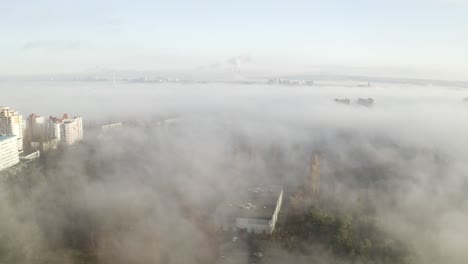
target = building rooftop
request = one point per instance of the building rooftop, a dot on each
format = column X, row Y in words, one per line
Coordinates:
column 257, row 202
column 64, row 119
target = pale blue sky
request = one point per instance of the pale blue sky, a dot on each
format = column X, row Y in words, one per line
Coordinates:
column 427, row 38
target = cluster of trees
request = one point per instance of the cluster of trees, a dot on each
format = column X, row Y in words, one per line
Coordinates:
column 353, row 238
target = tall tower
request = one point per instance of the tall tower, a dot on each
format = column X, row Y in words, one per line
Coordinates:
column 315, row 176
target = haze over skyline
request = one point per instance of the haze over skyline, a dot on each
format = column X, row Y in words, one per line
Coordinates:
column 421, row 39
column 223, row 132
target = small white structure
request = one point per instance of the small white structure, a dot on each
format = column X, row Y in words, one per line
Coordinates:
column 32, row 156
column 255, row 212
column 111, row 126
column 8, row 151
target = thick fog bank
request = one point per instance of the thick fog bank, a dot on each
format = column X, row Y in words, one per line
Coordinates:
column 143, row 194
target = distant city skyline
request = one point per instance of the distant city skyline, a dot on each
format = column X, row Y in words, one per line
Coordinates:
column 413, row 38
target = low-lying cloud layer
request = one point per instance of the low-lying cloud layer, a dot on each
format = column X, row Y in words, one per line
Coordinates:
column 142, row 194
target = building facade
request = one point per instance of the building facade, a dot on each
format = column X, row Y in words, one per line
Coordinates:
column 52, row 128
column 67, row 130
column 8, row 151
column 11, row 123
column 71, row 130
column 45, row 146
column 35, row 128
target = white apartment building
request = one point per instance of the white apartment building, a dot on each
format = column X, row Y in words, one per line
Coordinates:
column 71, row 130
column 11, row 123
column 8, row 151
column 66, row 129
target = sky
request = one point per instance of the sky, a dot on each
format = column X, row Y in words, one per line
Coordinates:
column 411, row 38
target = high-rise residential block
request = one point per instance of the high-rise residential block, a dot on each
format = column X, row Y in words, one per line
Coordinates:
column 8, row 151
column 11, row 123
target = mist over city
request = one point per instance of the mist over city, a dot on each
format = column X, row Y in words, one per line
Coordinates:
column 216, row 132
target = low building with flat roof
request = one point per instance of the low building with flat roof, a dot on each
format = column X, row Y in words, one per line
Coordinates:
column 255, row 211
